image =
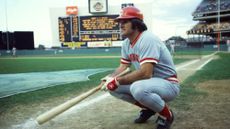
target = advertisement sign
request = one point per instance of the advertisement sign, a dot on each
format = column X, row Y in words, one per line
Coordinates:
column 100, row 44
column 75, row 44
column 117, row 43
column 71, row 10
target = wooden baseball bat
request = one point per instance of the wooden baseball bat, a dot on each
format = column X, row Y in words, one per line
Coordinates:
column 68, row 104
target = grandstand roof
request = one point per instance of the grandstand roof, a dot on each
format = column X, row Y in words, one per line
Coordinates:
column 176, row 38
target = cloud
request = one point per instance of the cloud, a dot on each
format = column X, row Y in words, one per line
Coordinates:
column 173, row 17
column 167, row 28
column 171, row 3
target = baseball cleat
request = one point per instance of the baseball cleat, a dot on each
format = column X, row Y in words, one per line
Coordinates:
column 163, row 123
column 145, row 114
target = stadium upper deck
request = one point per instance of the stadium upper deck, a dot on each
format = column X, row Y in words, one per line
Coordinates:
column 211, row 6
column 207, row 14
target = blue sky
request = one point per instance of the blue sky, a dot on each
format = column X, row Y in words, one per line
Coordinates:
column 170, row 17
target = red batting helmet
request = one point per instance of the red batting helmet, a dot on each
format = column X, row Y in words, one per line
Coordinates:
column 130, row 12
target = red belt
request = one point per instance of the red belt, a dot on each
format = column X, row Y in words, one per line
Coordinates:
column 173, row 79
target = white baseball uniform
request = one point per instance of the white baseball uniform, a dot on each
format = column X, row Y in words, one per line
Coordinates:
column 163, row 86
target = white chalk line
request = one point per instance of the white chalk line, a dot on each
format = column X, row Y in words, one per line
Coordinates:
column 187, row 64
column 206, row 62
column 182, row 67
column 207, row 56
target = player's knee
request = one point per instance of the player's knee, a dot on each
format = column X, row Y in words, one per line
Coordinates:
column 137, row 91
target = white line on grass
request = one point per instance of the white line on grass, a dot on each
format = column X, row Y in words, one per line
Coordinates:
column 206, row 62
column 187, row 64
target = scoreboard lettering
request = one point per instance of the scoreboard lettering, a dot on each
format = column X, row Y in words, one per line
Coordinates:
column 75, row 29
column 61, row 30
column 89, row 28
column 99, row 28
column 91, row 23
column 64, row 29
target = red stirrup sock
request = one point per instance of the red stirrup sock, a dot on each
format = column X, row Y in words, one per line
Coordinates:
column 166, row 112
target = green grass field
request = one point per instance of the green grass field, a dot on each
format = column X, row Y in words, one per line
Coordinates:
column 22, row 65
column 215, row 70
column 54, row 64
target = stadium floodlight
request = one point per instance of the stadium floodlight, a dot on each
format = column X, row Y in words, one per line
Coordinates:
column 7, row 33
column 218, row 23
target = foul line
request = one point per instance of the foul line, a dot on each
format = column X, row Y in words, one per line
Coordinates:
column 206, row 62
column 187, row 64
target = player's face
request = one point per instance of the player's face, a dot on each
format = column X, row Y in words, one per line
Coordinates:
column 126, row 28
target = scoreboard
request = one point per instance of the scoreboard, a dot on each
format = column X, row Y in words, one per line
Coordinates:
column 64, row 29
column 99, row 28
column 88, row 28
column 75, row 28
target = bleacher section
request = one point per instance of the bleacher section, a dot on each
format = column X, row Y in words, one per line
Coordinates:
column 212, row 20
column 209, row 6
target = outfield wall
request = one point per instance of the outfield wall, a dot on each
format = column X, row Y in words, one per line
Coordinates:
column 98, row 51
column 57, row 52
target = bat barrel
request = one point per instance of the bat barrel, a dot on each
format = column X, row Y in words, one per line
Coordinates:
column 63, row 107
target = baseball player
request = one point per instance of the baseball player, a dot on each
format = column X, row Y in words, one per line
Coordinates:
column 154, row 81
column 14, row 51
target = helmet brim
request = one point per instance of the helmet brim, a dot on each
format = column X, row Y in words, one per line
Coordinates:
column 123, row 18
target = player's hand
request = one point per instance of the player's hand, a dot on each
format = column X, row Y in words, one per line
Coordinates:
column 103, row 81
column 110, row 84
